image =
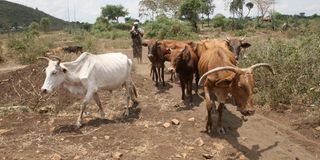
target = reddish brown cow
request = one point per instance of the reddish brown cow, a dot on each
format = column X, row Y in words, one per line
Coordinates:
column 184, row 62
column 221, row 76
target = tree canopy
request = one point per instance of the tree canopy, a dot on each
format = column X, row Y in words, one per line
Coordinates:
column 113, row 12
column 189, row 10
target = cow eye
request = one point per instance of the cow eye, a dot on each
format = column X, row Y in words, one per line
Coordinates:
column 54, row 73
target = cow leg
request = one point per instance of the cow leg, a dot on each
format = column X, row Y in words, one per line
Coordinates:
column 209, row 108
column 98, row 102
column 182, row 85
column 129, row 96
column 197, row 77
column 162, row 75
column 220, row 127
column 82, row 108
column 189, row 89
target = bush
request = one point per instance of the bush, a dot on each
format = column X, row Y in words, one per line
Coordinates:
column 120, row 26
column 168, row 28
column 296, row 63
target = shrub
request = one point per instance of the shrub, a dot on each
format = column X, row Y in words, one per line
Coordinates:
column 296, row 63
column 167, row 28
column 120, row 26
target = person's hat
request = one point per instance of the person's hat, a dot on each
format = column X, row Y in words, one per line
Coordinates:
column 135, row 23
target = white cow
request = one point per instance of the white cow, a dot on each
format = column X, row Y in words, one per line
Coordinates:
column 89, row 73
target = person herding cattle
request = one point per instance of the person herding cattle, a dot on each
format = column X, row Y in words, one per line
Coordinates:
column 136, row 36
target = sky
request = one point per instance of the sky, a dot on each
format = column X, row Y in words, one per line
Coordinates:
column 89, row 10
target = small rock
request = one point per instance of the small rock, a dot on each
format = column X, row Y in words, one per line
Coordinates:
column 37, row 151
column 218, row 146
column 116, row 155
column 190, row 148
column 244, row 138
column 207, row 156
column 242, row 157
column 184, row 155
column 191, row 119
column 318, row 128
column 56, row 157
column 146, row 125
column 175, row 121
column 76, row 157
column 199, row 142
column 106, row 137
column 94, row 138
column 178, row 156
column 166, row 125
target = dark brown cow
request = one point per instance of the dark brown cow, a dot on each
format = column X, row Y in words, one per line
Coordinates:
column 221, row 76
column 73, row 49
column 184, row 62
column 152, row 59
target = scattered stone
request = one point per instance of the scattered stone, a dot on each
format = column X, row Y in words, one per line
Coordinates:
column 175, row 121
column 94, row 138
column 146, row 125
column 199, row 142
column 56, row 157
column 166, row 125
column 207, row 156
column 191, row 119
column 244, row 138
column 190, row 148
column 178, row 156
column 242, row 157
column 76, row 157
column 318, row 128
column 106, row 137
column 184, row 155
column 37, row 151
column 116, row 155
column 218, row 146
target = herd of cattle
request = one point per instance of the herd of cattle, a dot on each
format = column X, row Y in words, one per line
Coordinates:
column 214, row 60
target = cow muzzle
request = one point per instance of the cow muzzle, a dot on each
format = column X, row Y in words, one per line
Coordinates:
column 171, row 70
column 44, row 91
column 247, row 112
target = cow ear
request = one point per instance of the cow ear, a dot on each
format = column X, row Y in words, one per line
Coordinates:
column 245, row 45
column 185, row 54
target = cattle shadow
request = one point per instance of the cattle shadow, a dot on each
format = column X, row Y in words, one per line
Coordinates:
column 163, row 89
column 134, row 114
column 196, row 101
column 231, row 124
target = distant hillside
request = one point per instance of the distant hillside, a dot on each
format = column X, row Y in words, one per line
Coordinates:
column 13, row 14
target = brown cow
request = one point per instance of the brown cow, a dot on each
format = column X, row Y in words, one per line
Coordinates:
column 184, row 61
column 236, row 44
column 223, row 77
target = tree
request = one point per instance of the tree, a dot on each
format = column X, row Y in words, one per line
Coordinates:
column 113, row 12
column 154, row 8
column 189, row 10
column 249, row 5
column 263, row 6
column 236, row 8
column 45, row 24
column 207, row 8
column 33, row 30
column 101, row 24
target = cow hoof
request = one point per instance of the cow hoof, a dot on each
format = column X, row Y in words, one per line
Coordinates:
column 221, row 131
column 126, row 113
column 102, row 115
column 78, row 125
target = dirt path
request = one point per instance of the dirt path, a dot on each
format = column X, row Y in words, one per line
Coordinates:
column 143, row 136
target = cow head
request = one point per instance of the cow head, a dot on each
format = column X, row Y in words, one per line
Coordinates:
column 149, row 44
column 241, row 86
column 55, row 74
column 235, row 45
column 178, row 56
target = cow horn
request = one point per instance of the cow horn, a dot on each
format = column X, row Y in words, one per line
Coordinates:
column 227, row 38
column 262, row 65
column 45, row 58
column 226, row 68
column 57, row 58
column 243, row 38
